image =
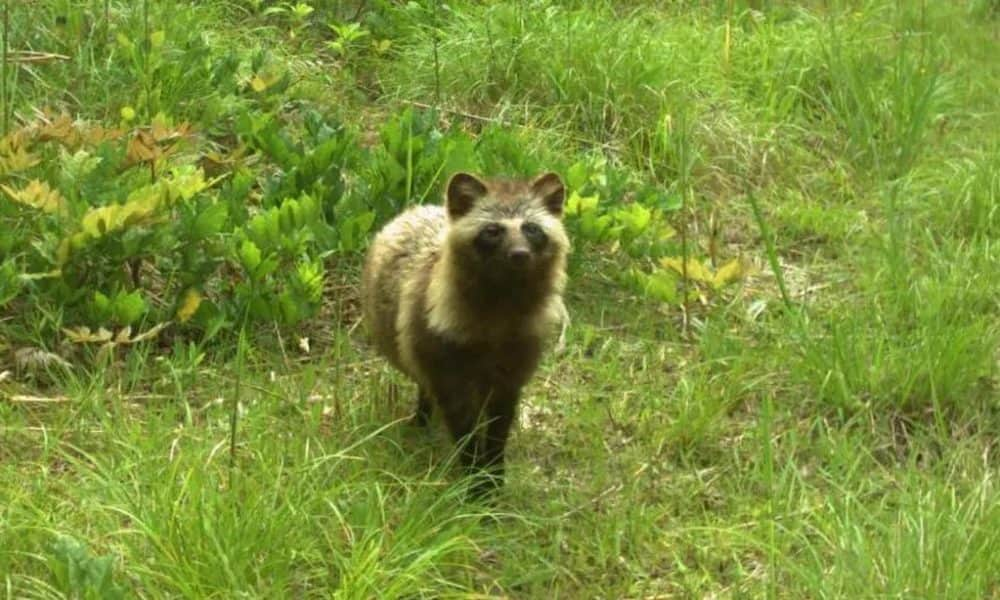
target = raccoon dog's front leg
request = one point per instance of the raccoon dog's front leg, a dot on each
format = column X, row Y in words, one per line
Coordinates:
column 424, row 408
column 480, row 423
column 456, row 402
column 500, row 408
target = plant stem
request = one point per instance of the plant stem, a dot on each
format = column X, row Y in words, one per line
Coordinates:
column 437, row 60
column 3, row 68
column 237, row 396
column 772, row 255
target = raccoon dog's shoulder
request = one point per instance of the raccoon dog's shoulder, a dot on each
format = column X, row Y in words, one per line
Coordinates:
column 407, row 246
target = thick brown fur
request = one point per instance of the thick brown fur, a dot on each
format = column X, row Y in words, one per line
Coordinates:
column 462, row 297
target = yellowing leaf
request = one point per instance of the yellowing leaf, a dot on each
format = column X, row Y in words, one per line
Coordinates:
column 38, row 194
column 186, row 182
column 729, row 272
column 261, row 81
column 157, row 38
column 19, row 138
column 189, row 306
column 162, row 130
column 124, row 335
column 149, row 333
column 102, row 220
column 97, row 134
column 63, row 251
column 62, row 130
column 142, row 148
column 691, row 268
column 16, row 158
column 144, row 206
column 578, row 205
column 258, row 84
column 83, row 335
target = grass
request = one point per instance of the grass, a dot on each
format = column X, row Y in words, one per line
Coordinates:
column 825, row 429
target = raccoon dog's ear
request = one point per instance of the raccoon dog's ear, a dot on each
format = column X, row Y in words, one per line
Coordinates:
column 550, row 190
column 464, row 190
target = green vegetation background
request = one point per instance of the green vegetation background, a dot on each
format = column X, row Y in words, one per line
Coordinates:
column 781, row 375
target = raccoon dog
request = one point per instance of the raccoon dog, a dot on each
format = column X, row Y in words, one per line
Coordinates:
column 461, row 298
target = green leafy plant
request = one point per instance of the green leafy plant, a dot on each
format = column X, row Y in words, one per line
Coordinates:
column 79, row 574
column 348, row 37
column 296, row 13
column 642, row 230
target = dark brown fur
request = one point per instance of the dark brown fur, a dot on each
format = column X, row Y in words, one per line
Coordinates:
column 475, row 383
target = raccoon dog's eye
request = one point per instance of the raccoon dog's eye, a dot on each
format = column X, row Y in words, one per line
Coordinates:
column 489, row 237
column 534, row 233
column 492, row 231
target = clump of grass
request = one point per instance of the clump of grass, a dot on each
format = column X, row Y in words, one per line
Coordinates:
column 925, row 341
column 960, row 196
column 297, row 512
column 623, row 80
column 926, row 538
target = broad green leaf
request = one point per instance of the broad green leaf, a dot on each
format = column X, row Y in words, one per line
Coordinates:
column 671, row 203
column 102, row 304
column 76, row 165
column 211, row 220
column 347, row 234
column 576, row 176
column 260, row 307
column 364, row 221
column 310, row 277
column 661, row 287
column 290, row 311
column 636, row 219
column 128, row 308
column 250, row 255
column 267, row 266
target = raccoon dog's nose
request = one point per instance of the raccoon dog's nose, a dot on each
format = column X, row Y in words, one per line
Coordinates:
column 519, row 256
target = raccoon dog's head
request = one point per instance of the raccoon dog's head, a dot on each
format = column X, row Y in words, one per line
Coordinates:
column 507, row 226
